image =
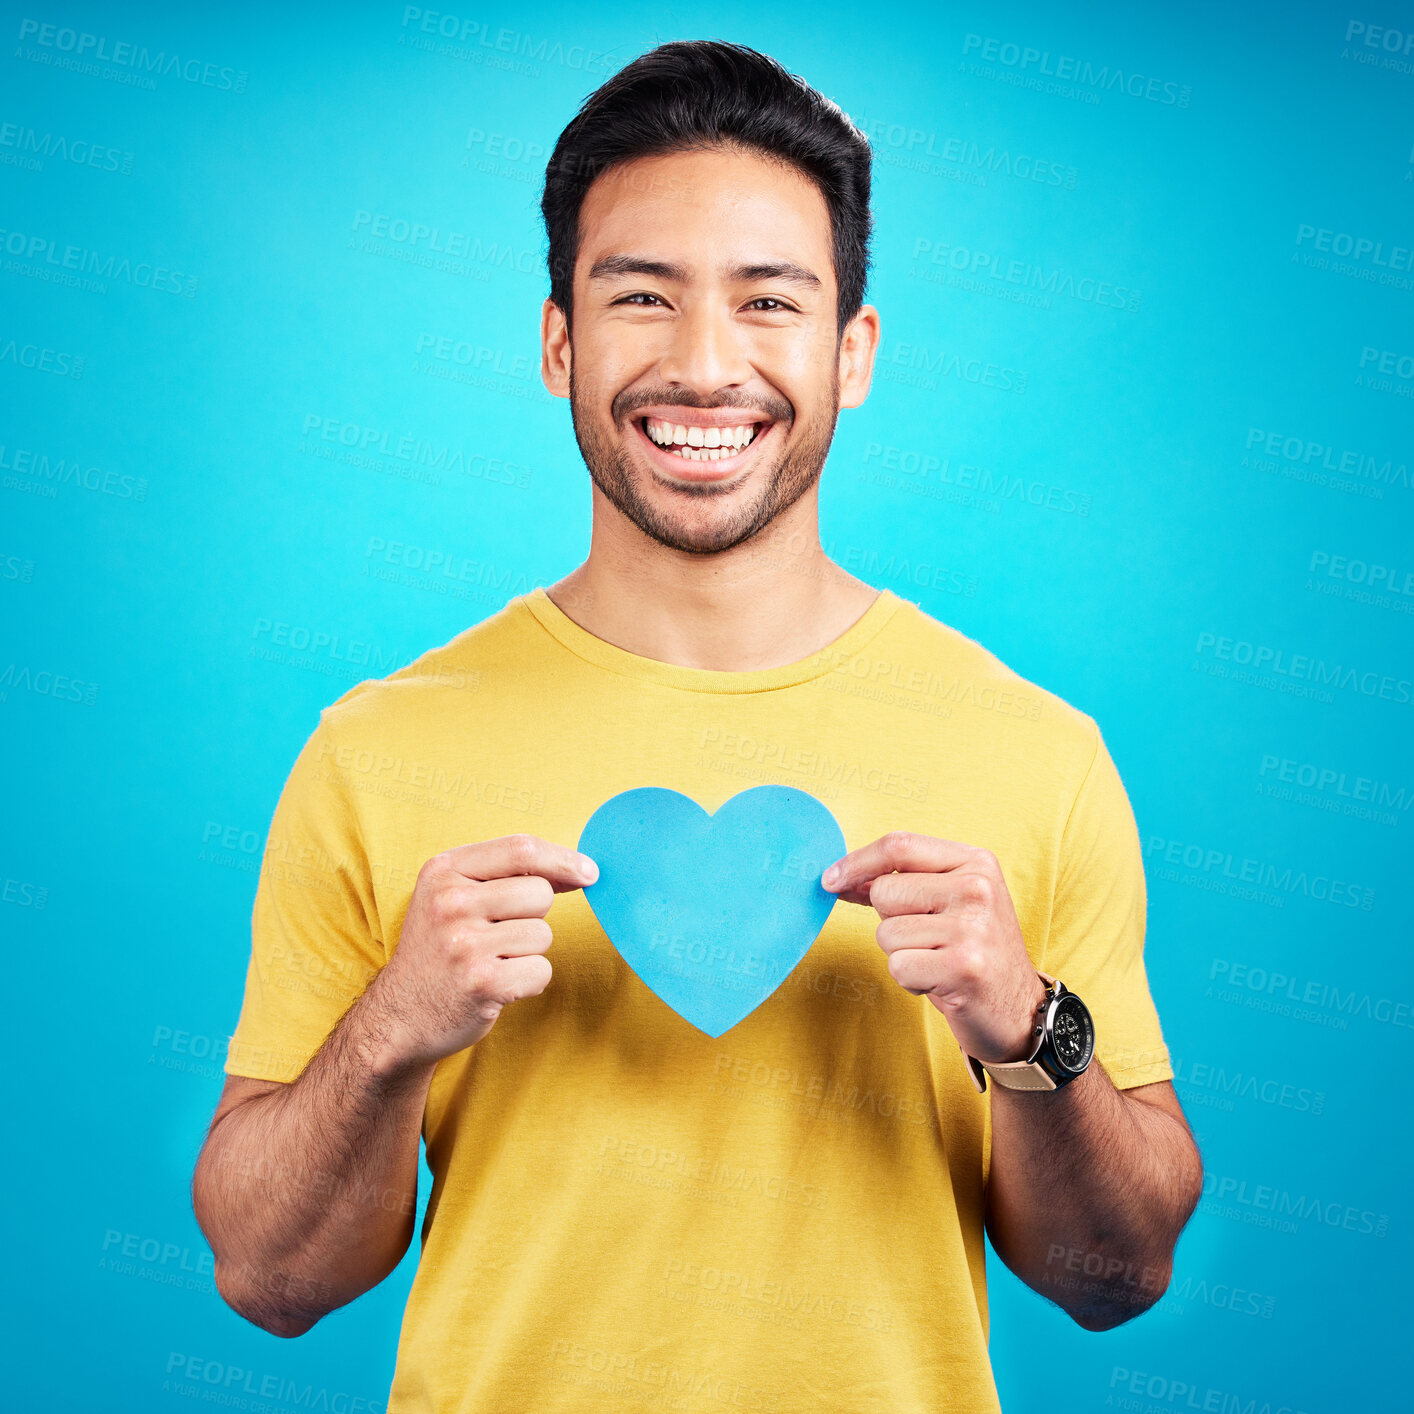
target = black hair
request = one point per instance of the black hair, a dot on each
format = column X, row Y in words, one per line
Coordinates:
column 694, row 94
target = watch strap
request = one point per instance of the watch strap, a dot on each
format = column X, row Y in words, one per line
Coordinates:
column 1010, row 1075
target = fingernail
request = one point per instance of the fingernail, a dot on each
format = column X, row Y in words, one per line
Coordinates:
column 831, row 876
column 588, row 868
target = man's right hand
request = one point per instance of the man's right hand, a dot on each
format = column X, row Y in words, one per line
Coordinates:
column 473, row 939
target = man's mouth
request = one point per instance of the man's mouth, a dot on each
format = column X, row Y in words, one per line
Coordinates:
column 694, row 442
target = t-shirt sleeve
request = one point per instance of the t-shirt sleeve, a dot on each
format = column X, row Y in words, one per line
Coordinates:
column 1096, row 940
column 315, row 936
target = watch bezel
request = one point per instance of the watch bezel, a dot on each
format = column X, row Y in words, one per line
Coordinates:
column 1047, row 1054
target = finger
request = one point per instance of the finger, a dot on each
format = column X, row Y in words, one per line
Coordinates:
column 509, row 855
column 859, row 896
column 923, row 931
column 520, row 937
column 521, row 977
column 957, row 894
column 899, row 849
column 523, row 896
column 914, row 969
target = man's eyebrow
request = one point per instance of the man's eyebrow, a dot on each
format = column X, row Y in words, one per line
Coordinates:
column 611, row 267
column 785, row 270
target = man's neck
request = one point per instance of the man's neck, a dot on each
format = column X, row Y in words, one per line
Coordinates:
column 753, row 607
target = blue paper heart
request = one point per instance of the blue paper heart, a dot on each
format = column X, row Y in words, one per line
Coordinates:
column 712, row 911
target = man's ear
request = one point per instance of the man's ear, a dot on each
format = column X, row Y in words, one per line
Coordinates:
column 857, row 349
column 555, row 349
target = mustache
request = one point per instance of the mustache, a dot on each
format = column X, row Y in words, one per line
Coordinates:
column 627, row 403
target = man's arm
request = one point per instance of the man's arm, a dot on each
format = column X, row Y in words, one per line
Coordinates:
column 1109, row 1175
column 307, row 1192
column 1089, row 1189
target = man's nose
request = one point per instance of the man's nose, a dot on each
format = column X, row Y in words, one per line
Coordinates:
column 707, row 352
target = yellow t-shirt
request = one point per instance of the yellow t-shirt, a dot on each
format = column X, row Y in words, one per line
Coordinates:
column 627, row 1213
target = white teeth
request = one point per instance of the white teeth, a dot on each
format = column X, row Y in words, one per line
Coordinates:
column 699, row 443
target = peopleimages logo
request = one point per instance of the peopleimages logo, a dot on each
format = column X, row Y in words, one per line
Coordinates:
column 1330, row 780
column 1043, row 64
column 1358, row 248
column 1273, row 665
column 83, row 50
column 410, row 456
column 428, row 241
column 1387, row 361
column 1379, row 46
column 1223, row 865
column 1321, row 457
column 1183, row 1394
column 959, row 156
column 1394, row 579
column 41, row 359
column 52, row 472
column 964, row 263
column 207, row 1380
column 1283, row 994
column 25, row 147
column 922, row 365
column 47, row 258
column 1221, row 1082
column 1388, row 370
column 1392, row 41
column 462, row 36
column 1265, row 1205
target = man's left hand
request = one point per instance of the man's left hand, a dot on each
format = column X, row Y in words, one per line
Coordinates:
column 951, row 934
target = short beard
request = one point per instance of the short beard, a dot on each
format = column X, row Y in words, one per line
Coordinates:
column 796, row 470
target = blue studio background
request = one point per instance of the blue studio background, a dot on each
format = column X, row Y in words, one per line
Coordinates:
column 1141, row 425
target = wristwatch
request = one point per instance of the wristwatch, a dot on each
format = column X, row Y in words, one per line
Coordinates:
column 1065, row 1042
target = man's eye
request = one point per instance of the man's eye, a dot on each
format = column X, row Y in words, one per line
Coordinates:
column 770, row 299
column 638, row 295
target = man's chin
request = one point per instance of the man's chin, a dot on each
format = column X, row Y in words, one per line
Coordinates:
column 695, row 518
column 701, row 515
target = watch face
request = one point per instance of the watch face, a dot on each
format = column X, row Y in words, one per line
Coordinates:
column 1072, row 1033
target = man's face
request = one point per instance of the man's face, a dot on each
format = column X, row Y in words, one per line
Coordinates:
column 704, row 373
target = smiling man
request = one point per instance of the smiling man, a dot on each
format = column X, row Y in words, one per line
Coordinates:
column 626, row 1212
